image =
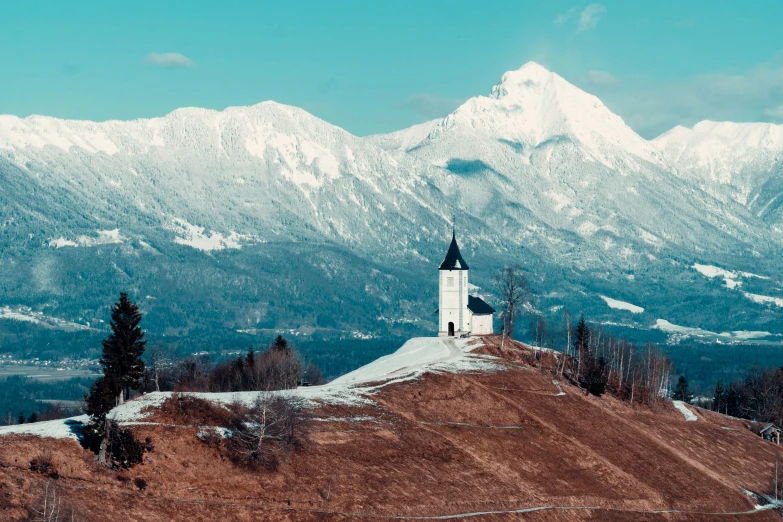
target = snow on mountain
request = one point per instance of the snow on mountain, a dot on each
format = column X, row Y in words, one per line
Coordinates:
column 718, row 151
column 622, row 305
column 25, row 314
column 227, row 171
column 532, row 106
column 737, row 161
column 271, row 200
column 545, row 155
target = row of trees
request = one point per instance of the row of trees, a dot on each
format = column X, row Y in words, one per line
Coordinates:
column 278, row 367
column 588, row 355
column 758, row 396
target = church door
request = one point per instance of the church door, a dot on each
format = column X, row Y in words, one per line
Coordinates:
column 451, row 329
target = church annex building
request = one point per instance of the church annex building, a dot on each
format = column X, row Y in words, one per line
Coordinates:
column 458, row 312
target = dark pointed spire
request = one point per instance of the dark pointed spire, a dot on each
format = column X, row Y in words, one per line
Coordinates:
column 453, row 259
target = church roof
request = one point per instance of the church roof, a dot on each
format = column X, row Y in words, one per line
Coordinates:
column 453, row 259
column 478, row 306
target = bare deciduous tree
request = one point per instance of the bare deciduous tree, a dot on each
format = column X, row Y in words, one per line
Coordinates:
column 51, row 507
column 159, row 358
column 270, row 426
column 514, row 293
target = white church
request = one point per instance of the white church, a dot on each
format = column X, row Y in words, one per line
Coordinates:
column 458, row 312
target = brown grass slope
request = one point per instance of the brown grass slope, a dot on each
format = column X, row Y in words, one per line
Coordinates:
column 445, row 444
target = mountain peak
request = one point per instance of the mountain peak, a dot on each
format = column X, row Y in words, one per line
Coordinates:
column 530, row 74
column 532, row 106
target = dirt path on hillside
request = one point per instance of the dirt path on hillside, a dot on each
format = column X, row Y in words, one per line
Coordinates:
column 450, row 516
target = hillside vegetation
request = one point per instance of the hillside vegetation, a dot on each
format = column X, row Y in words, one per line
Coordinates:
column 430, row 431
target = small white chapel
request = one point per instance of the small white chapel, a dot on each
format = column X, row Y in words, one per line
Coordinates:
column 458, row 312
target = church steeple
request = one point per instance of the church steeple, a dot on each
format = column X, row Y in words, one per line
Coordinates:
column 453, row 259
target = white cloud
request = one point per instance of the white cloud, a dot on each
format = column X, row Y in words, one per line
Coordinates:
column 169, row 60
column 589, row 17
column 601, row 78
column 563, row 18
column 430, row 105
column 775, row 113
column 755, row 94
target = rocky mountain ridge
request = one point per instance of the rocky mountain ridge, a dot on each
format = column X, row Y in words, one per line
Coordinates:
column 280, row 221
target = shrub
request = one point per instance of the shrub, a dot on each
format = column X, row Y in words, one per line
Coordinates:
column 124, row 449
column 43, row 464
column 140, row 483
column 186, row 409
column 263, row 431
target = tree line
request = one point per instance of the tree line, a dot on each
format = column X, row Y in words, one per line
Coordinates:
column 758, row 396
column 278, row 367
column 124, row 371
column 588, row 356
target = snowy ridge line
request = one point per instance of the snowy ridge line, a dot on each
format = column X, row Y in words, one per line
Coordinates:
column 415, row 357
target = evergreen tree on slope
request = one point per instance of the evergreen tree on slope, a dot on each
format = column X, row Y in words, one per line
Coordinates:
column 122, row 351
column 681, row 392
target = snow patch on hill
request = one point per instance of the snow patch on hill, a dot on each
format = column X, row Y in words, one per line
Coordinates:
column 687, row 413
column 415, row 357
column 198, row 238
column 55, row 429
column 678, row 333
column 729, row 277
column 28, row 315
column 622, row 305
column 764, row 299
column 105, row 237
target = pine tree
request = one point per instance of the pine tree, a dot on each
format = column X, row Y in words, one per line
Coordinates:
column 101, row 399
column 582, row 336
column 719, row 398
column 122, row 351
column 681, row 392
column 122, row 370
column 280, row 344
column 251, row 358
column 584, row 359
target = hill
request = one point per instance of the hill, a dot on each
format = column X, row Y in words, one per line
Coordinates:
column 440, row 429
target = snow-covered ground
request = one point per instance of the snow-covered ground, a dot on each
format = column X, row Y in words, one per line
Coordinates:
column 105, row 237
column 622, row 305
column 415, row 357
column 677, row 331
column 688, row 414
column 729, row 277
column 55, row 429
column 28, row 315
column 764, row 299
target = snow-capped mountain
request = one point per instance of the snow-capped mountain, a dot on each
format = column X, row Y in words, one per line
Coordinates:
column 540, row 146
column 266, row 217
column 740, row 161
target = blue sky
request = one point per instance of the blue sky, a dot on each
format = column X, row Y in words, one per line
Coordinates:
column 371, row 66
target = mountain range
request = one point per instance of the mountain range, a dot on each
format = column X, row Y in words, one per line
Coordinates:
column 241, row 223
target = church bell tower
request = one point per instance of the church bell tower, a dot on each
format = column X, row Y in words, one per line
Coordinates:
column 453, row 315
